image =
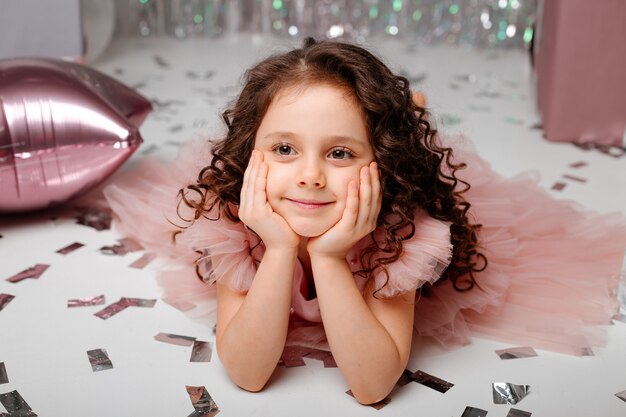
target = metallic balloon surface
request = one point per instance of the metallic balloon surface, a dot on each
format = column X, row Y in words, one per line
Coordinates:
column 64, row 128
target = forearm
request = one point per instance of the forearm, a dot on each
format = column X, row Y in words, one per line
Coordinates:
column 367, row 355
column 252, row 340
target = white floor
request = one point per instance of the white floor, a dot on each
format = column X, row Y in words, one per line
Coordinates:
column 486, row 95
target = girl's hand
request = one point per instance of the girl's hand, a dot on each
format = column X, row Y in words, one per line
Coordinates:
column 256, row 212
column 358, row 219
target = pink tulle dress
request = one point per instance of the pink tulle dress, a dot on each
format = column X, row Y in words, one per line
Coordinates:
column 550, row 283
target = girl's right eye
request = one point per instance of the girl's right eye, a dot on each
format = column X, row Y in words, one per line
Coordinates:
column 284, row 150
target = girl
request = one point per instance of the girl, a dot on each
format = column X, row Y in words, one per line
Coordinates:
column 331, row 202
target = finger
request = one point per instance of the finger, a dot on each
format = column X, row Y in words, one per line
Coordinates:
column 249, row 177
column 377, row 197
column 365, row 197
column 351, row 210
column 260, row 195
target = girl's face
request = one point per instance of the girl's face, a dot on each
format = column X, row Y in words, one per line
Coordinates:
column 314, row 141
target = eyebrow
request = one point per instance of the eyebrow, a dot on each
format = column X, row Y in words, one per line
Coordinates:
column 340, row 138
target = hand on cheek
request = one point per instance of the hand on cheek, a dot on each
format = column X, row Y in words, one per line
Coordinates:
column 256, row 212
column 359, row 216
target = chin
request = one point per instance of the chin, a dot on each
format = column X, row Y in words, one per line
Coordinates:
column 309, row 229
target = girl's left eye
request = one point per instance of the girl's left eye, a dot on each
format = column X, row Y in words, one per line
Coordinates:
column 341, row 153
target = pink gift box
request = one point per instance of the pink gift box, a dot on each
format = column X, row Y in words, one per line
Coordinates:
column 580, row 62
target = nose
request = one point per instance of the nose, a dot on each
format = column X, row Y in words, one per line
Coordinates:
column 311, row 174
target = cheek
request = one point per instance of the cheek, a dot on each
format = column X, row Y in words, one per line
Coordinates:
column 276, row 182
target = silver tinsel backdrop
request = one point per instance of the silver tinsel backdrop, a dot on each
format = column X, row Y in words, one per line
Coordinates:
column 479, row 23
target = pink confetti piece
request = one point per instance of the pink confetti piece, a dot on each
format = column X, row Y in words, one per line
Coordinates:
column 202, row 402
column 578, row 164
column 292, row 356
column 122, row 304
column 70, row 248
column 5, row 299
column 138, row 302
column 558, row 186
column 145, row 259
column 4, row 378
column 33, row 272
column 124, row 246
column 574, row 178
column 179, row 304
column 201, row 351
column 86, row 301
column 516, row 352
column 175, row 339
column 99, row 360
column 15, row 405
column 95, row 218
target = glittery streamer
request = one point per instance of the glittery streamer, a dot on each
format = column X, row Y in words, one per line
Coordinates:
column 201, row 351
column 578, row 164
column 15, row 405
column 142, row 262
column 202, row 402
column 124, row 246
column 431, row 381
column 514, row 412
column 473, row 412
column 621, row 395
column 574, row 178
column 179, row 304
column 99, row 360
column 86, row 301
column 558, row 186
column 516, row 352
column 175, row 339
column 507, row 393
column 33, row 272
column 4, row 378
column 95, row 218
column 70, row 248
column 5, row 299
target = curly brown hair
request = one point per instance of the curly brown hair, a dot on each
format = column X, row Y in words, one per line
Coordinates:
column 417, row 172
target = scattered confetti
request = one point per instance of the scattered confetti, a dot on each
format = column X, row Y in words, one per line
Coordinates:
column 617, row 317
column 161, row 62
column 473, row 412
column 201, row 351
column 574, row 178
column 149, row 149
column 124, row 246
column 558, row 186
column 5, row 299
column 514, row 121
column 33, row 272
column 122, row 304
column 15, row 405
column 4, row 378
column 179, row 304
column 578, row 164
column 516, row 352
column 142, row 262
column 70, row 248
column 586, row 351
column 293, row 356
column 175, row 128
column 99, row 360
column 175, row 339
column 536, row 126
column 431, row 381
column 514, row 412
column 202, row 402
column 621, row 395
column 86, row 301
column 96, row 218
column 507, row 393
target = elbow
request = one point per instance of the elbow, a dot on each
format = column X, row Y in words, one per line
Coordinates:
column 370, row 395
column 250, row 386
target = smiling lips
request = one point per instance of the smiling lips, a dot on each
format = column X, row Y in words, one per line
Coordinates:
column 308, row 204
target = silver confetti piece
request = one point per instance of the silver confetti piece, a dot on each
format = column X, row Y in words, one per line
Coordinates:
column 33, row 272
column 507, row 393
column 201, row 351
column 431, row 381
column 15, row 405
column 473, row 412
column 70, row 248
column 516, row 352
column 5, row 299
column 4, row 378
column 514, row 412
column 111, row 310
column 179, row 304
column 175, row 339
column 621, row 395
column 145, row 259
column 99, row 360
column 202, row 402
column 86, row 301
